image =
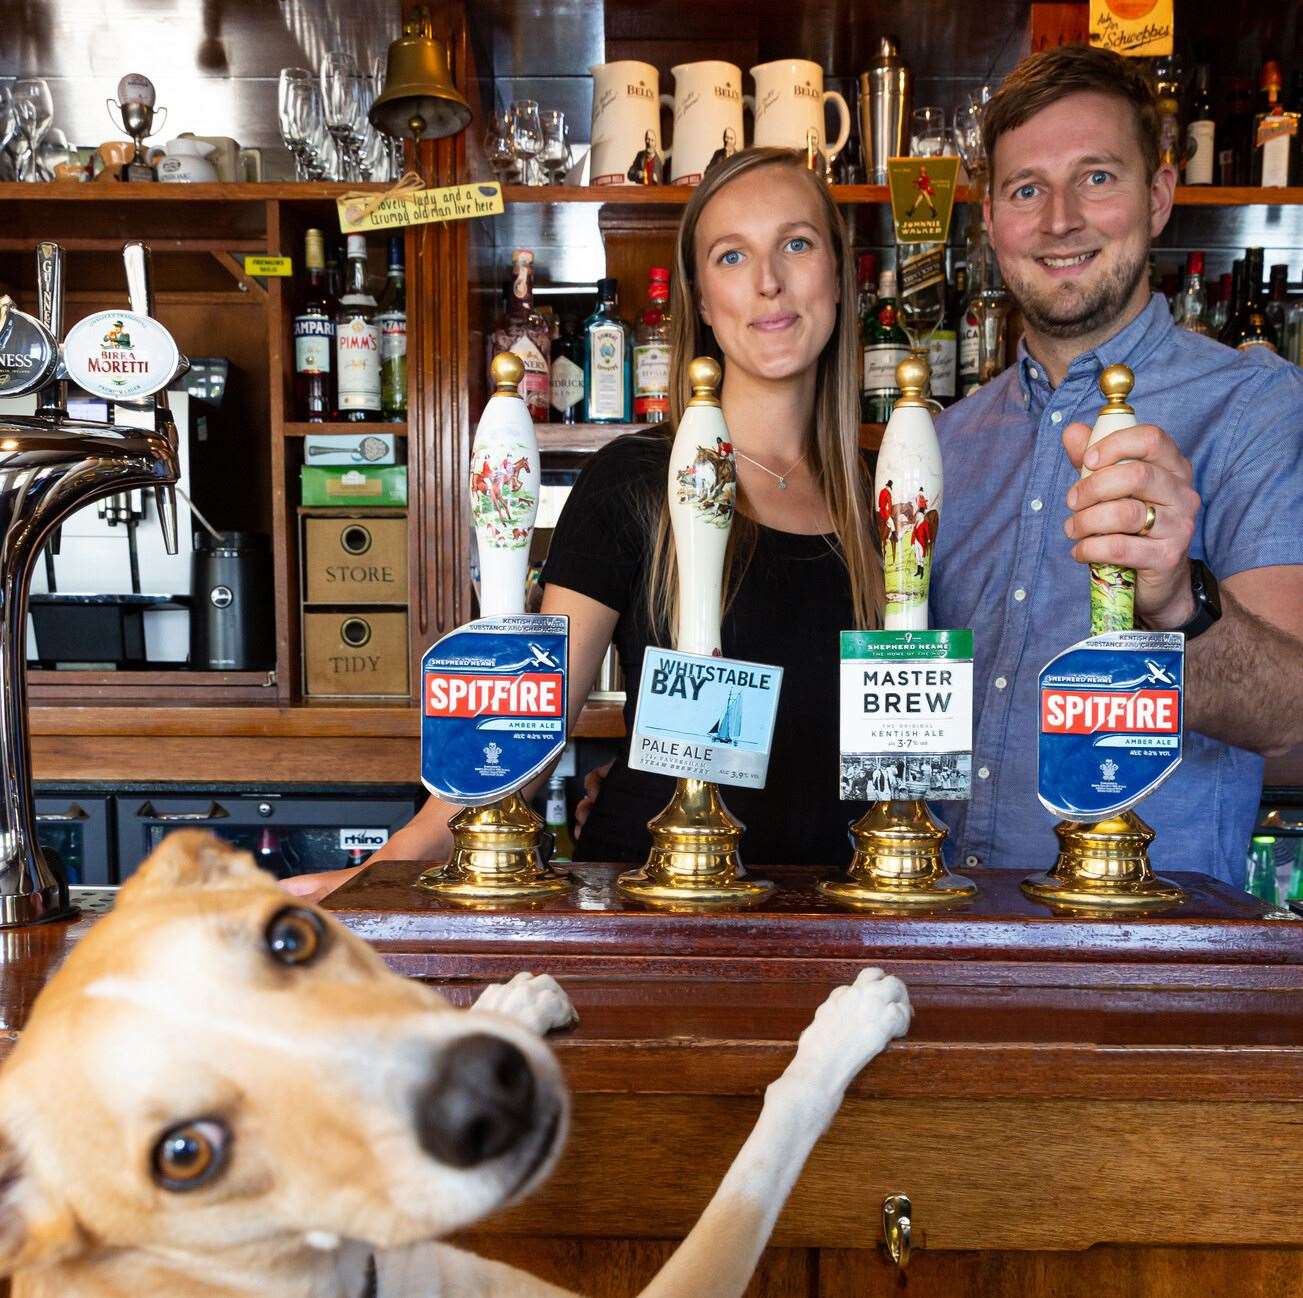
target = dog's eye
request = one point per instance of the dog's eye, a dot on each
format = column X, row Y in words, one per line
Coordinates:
column 295, row 935
column 190, row 1155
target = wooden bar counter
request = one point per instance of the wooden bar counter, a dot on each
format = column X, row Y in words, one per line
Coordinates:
column 1084, row 1106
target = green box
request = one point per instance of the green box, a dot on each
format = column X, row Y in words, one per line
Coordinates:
column 353, row 485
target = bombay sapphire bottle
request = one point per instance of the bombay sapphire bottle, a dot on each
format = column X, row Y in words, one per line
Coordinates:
column 608, row 361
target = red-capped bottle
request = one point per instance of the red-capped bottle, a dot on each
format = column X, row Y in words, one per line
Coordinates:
column 651, row 352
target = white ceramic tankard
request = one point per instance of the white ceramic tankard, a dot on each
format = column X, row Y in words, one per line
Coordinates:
column 627, row 147
column 789, row 104
column 707, row 107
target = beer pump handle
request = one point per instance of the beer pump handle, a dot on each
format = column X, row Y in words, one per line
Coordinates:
column 504, row 488
column 1112, row 589
column 53, row 397
column 907, row 493
column 702, row 495
column 140, row 291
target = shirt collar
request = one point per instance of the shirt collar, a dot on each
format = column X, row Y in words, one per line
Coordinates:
column 1130, row 346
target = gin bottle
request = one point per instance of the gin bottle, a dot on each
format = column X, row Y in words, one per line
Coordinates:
column 392, row 319
column 608, row 369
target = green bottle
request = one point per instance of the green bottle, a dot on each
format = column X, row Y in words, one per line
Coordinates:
column 608, row 361
column 886, row 344
column 1262, row 868
column 392, row 319
column 1296, row 879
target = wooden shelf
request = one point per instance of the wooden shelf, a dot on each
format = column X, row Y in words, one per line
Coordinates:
column 118, row 192
column 677, row 195
column 312, row 430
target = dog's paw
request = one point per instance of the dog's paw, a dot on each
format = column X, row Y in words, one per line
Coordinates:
column 852, row 1026
column 534, row 1000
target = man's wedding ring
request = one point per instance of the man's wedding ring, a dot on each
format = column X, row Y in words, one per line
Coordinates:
column 1151, row 517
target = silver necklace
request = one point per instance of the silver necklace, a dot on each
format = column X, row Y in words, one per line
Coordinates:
column 781, row 477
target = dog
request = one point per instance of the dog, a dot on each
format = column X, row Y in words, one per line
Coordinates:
column 224, row 1093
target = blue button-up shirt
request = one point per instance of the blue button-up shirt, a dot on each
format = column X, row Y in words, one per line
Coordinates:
column 1003, row 566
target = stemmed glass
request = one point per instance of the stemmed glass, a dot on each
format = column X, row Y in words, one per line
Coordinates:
column 393, row 147
column 294, row 94
column 8, row 120
column 34, row 111
column 556, row 145
column 341, row 93
column 527, row 137
column 498, row 148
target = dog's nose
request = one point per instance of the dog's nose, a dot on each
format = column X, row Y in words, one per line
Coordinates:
column 479, row 1103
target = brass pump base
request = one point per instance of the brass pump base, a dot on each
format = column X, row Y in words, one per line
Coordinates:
column 897, row 861
column 1104, row 866
column 694, row 860
column 495, row 856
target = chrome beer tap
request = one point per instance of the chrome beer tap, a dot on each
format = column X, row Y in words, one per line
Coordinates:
column 50, row 466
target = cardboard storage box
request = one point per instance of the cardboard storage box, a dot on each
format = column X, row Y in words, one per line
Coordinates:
column 355, row 560
column 363, row 484
column 357, row 653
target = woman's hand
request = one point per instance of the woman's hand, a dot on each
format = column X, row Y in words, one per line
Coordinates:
column 592, row 790
column 314, row 887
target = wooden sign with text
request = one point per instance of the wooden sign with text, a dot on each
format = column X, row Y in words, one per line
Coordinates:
column 417, row 207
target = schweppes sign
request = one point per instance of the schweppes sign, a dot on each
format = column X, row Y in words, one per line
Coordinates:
column 922, row 197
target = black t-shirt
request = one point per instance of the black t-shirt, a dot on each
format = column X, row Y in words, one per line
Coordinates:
column 792, row 602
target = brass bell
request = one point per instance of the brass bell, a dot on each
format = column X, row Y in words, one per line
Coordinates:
column 419, row 101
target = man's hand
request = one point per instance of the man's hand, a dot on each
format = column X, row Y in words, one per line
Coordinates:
column 592, row 787
column 1130, row 469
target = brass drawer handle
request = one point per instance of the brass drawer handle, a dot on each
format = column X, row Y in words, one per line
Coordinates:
column 896, row 1213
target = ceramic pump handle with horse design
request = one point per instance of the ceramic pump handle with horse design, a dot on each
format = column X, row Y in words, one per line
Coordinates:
column 504, row 486
column 908, row 489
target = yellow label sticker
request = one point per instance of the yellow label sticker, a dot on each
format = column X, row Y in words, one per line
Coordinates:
column 452, row 203
column 269, row 267
column 922, row 197
column 1136, row 28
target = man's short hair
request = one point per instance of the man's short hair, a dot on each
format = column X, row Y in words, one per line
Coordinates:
column 1044, row 78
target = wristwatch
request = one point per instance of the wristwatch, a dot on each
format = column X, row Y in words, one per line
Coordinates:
column 1207, row 600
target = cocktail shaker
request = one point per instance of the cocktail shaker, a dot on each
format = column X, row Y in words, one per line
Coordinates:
column 884, row 110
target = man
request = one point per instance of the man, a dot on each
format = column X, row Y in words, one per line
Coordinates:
column 1076, row 197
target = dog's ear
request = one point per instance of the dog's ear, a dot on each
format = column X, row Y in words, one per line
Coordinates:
column 194, row 858
column 35, row 1230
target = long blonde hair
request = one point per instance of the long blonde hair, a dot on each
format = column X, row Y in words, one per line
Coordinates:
column 834, row 457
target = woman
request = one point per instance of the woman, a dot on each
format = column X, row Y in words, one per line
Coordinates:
column 764, row 282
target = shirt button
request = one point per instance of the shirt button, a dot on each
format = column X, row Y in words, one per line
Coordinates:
column 1033, row 372
column 1020, row 594
column 1000, row 682
column 1056, row 417
column 970, row 859
column 1037, row 505
column 983, row 772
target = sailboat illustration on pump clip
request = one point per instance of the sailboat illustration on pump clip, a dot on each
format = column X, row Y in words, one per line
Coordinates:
column 729, row 726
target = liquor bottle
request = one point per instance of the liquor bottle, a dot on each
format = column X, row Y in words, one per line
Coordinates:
column 608, row 369
column 1277, row 297
column 1256, row 332
column 567, row 385
column 651, row 352
column 1194, row 307
column 1273, row 131
column 334, row 273
column 866, row 276
column 885, row 345
column 1167, row 83
column 1235, row 147
column 357, row 341
column 392, row 319
column 943, row 344
column 558, row 822
column 1201, row 132
column 524, row 330
column 1236, row 306
column 991, row 308
column 1251, row 328
column 970, row 340
column 1219, row 306
column 314, row 338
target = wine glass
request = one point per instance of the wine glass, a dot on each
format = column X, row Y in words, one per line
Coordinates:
column 527, row 137
column 928, row 136
column 555, row 156
column 292, row 97
column 8, row 121
column 34, row 111
column 498, row 149
column 341, row 94
column 394, row 148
